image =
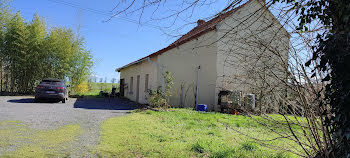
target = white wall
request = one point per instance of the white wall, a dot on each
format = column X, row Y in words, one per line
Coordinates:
column 183, row 63
column 248, row 40
column 141, row 69
column 222, row 63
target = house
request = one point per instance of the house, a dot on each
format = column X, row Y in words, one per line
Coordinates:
column 209, row 58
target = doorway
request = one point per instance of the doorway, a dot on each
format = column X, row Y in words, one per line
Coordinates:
column 121, row 87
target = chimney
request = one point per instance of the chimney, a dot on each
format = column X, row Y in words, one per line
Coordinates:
column 200, row 22
column 263, row 2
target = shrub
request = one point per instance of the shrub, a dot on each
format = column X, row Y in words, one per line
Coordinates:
column 249, row 146
column 159, row 98
column 197, row 147
column 81, row 88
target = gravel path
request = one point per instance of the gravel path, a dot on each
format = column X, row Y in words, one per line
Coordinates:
column 88, row 113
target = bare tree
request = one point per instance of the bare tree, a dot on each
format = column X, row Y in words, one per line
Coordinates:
column 273, row 69
column 113, row 80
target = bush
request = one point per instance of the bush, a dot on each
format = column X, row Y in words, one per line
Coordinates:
column 249, row 146
column 81, row 88
column 157, row 99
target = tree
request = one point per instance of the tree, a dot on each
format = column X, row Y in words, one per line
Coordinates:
column 331, row 55
column 36, row 39
column 4, row 20
column 15, row 52
column 30, row 53
column 82, row 68
column 65, row 56
column 113, row 80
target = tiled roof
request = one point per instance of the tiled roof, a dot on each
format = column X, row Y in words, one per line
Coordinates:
column 193, row 34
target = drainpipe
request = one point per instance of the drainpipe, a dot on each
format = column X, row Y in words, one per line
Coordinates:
column 163, row 80
column 162, row 69
column 197, row 88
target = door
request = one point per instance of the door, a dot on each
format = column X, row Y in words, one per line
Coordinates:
column 137, row 88
column 121, row 87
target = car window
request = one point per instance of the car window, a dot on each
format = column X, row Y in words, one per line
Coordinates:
column 51, row 82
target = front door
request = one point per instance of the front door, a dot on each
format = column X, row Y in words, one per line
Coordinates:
column 137, row 88
column 121, row 87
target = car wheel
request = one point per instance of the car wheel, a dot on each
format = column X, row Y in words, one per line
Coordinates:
column 64, row 100
column 36, row 100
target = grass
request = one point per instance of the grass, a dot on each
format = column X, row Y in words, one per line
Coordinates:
column 185, row 133
column 18, row 140
column 172, row 133
column 95, row 88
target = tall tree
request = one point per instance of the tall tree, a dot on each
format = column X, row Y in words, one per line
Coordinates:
column 82, row 69
column 4, row 19
column 34, row 58
column 15, row 51
column 60, row 48
column 30, row 53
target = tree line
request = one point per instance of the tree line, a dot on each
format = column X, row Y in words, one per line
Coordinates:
column 30, row 52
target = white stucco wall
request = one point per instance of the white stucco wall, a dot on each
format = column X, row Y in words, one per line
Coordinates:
column 141, row 69
column 248, row 40
column 222, row 63
column 183, row 63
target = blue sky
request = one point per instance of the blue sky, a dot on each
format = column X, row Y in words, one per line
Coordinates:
column 113, row 43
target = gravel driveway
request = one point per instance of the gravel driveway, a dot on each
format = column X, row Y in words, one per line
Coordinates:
column 87, row 112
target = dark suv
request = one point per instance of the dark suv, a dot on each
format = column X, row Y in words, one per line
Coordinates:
column 53, row 89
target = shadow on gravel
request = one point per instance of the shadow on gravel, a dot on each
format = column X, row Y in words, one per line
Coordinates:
column 30, row 100
column 104, row 104
column 24, row 100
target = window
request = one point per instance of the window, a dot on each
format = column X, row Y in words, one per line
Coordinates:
column 131, row 84
column 146, row 82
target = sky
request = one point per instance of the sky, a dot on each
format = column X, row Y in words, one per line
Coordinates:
column 114, row 43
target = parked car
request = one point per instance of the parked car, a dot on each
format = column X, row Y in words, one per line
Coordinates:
column 51, row 89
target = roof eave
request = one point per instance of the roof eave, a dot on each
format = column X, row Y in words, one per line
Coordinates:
column 180, row 43
column 166, row 49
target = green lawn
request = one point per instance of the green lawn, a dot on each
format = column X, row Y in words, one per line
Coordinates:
column 36, row 143
column 173, row 133
column 186, row 133
column 95, row 88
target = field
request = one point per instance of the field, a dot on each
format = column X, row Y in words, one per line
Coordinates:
column 95, row 88
column 186, row 133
